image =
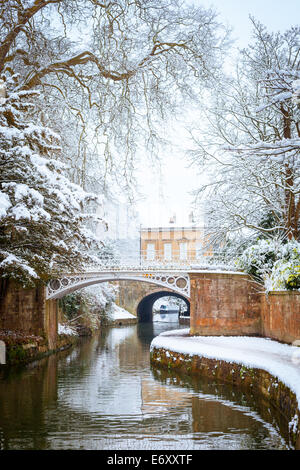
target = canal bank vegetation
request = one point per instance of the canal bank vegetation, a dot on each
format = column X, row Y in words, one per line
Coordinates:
column 22, row 348
column 88, row 310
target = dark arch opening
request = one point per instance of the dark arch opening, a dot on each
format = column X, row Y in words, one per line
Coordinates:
column 144, row 308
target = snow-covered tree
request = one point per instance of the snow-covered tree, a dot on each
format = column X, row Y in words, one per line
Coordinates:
column 110, row 70
column 273, row 263
column 42, row 214
column 107, row 73
column 251, row 144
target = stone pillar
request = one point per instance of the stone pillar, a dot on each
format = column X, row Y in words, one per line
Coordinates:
column 224, row 304
column 50, row 322
column 22, row 309
column 27, row 310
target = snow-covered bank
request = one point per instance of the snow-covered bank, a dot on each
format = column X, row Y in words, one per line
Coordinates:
column 280, row 360
column 118, row 316
column 119, row 313
column 64, row 329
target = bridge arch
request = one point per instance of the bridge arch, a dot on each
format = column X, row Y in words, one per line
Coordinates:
column 176, row 282
column 145, row 306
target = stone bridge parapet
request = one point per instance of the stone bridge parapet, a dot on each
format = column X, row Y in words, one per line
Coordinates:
column 225, row 303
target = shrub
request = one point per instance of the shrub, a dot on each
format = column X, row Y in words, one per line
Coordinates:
column 274, row 263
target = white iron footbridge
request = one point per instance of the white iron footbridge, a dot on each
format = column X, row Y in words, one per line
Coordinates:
column 168, row 274
column 177, row 281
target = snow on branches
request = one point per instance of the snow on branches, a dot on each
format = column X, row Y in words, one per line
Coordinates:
column 251, row 143
column 43, row 224
column 275, row 264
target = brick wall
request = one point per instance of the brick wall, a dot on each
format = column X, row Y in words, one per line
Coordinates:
column 26, row 310
column 221, row 304
column 224, row 304
column 281, row 316
column 130, row 293
column 231, row 304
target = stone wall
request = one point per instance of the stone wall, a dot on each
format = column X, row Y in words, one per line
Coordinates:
column 232, row 304
column 28, row 311
column 221, row 304
column 51, row 322
column 224, row 304
column 281, row 406
column 281, row 316
column 130, row 293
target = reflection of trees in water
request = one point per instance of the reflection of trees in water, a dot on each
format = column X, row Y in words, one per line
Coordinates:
column 82, row 397
column 25, row 394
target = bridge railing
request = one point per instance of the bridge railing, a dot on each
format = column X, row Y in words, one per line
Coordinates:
column 217, row 260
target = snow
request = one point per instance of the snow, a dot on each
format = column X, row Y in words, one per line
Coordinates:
column 276, row 263
column 119, row 313
column 66, row 330
column 296, row 89
column 280, row 360
column 293, row 424
column 23, row 190
column 4, row 204
column 20, row 212
column 14, row 260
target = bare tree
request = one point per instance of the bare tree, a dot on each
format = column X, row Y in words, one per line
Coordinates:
column 252, row 142
column 111, row 69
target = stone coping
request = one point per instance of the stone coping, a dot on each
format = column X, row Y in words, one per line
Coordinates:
column 255, row 379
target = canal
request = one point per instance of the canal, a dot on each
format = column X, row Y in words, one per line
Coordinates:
column 103, row 394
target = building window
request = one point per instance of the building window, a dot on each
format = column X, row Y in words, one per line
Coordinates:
column 150, row 251
column 167, row 251
column 183, row 250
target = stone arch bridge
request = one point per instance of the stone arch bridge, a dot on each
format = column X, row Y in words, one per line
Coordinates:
column 138, row 290
column 221, row 302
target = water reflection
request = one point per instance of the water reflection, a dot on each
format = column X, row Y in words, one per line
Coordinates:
column 104, row 395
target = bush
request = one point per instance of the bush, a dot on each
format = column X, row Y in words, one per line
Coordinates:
column 258, row 259
column 285, row 275
column 275, row 264
column 90, row 306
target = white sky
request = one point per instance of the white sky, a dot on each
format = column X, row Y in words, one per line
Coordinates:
column 169, row 193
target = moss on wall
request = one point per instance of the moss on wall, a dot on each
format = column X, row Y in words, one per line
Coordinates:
column 259, row 381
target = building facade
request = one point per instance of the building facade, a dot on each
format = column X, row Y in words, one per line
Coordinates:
column 175, row 244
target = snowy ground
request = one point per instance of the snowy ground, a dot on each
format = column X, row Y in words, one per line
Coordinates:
column 64, row 329
column 119, row 313
column 280, row 360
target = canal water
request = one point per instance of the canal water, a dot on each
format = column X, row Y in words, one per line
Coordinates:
column 103, row 394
